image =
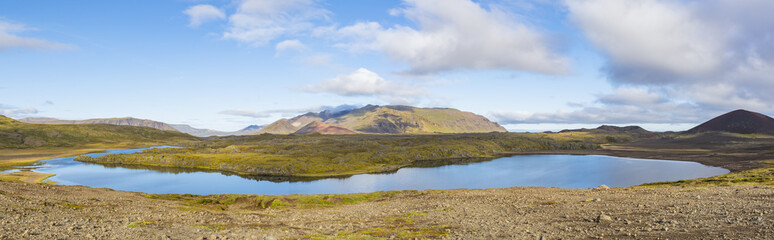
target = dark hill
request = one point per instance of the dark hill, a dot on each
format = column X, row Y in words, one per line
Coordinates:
column 739, row 121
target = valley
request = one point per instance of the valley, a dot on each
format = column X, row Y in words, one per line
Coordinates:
column 734, row 205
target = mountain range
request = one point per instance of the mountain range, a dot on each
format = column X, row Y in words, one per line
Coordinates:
column 19, row 135
column 393, row 119
column 129, row 121
column 396, row 119
column 209, row 132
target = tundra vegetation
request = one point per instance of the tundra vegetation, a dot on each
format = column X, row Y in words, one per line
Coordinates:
column 343, row 155
column 24, row 143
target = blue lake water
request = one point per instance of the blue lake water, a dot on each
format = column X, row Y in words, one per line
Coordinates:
column 566, row 171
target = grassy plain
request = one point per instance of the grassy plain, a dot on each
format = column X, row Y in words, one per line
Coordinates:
column 758, row 176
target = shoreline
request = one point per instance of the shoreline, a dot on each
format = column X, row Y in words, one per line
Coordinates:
column 392, row 169
column 40, row 211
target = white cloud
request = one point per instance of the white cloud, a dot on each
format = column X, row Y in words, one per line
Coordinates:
column 715, row 55
column 292, row 112
column 202, row 13
column 654, row 34
column 260, row 21
column 623, row 106
column 14, row 112
column 459, row 35
column 294, row 45
column 245, row 113
column 9, row 39
column 631, row 96
column 363, row 82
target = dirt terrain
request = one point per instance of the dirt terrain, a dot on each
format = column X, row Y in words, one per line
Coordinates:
column 40, row 211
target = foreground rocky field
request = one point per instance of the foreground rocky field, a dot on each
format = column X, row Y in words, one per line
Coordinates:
column 40, row 211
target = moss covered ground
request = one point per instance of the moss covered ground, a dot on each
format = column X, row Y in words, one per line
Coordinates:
column 343, row 155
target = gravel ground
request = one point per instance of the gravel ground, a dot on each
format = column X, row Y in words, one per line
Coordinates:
column 40, row 211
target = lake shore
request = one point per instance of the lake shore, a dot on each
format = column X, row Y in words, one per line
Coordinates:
column 39, row 211
column 736, row 205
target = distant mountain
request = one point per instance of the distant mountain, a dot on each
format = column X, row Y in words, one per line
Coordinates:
column 281, row 126
column 396, row 120
column 127, row 121
column 197, row 131
column 250, row 129
column 16, row 134
column 631, row 130
column 209, row 132
column 322, row 128
column 739, row 121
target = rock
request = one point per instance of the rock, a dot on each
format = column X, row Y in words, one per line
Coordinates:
column 604, row 218
column 602, row 187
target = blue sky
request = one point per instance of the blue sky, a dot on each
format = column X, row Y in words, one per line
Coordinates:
column 530, row 65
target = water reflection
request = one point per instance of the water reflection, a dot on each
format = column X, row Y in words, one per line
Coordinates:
column 567, row 171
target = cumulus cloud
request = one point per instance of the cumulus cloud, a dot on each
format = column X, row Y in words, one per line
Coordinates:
column 258, row 22
column 459, row 35
column 363, row 82
column 202, row 13
column 245, row 113
column 651, row 34
column 9, row 39
column 718, row 54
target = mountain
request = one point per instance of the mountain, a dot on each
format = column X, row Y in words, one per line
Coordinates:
column 209, row 132
column 631, row 130
column 739, row 121
column 322, row 128
column 127, row 121
column 398, row 120
column 197, row 131
column 249, row 129
column 16, row 134
column 281, row 126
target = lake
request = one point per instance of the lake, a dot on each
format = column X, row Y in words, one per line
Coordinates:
column 565, row 171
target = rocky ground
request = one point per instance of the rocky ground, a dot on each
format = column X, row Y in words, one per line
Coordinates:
column 40, row 211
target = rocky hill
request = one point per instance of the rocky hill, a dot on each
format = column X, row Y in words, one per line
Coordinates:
column 127, row 121
column 397, row 120
column 739, row 121
column 282, row 126
column 322, row 128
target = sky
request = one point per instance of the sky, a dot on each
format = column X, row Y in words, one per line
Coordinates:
column 529, row 65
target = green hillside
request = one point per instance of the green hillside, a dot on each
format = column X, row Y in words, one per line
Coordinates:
column 393, row 120
column 19, row 135
column 413, row 120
